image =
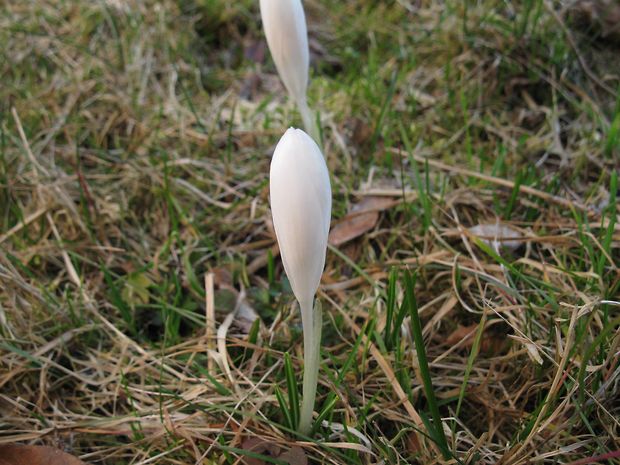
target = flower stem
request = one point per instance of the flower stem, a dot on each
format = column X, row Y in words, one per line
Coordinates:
column 310, row 124
column 311, row 321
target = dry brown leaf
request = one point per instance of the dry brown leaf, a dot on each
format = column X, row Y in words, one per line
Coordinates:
column 353, row 226
column 362, row 218
column 293, row 456
column 14, row 454
column 259, row 446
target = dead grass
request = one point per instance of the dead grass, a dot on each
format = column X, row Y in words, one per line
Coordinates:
column 135, row 140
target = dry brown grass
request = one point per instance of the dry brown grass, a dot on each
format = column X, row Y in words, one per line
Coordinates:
column 135, row 140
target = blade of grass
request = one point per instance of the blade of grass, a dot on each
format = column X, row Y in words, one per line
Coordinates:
column 470, row 363
column 416, row 328
column 390, row 304
column 328, row 407
column 293, row 395
column 284, row 409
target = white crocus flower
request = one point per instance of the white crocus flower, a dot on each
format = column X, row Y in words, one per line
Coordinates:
column 284, row 23
column 301, row 203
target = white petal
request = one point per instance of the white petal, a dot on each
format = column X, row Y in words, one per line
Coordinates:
column 284, row 23
column 300, row 195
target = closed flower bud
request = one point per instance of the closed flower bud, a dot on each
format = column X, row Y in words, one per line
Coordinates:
column 301, row 207
column 284, row 23
column 301, row 203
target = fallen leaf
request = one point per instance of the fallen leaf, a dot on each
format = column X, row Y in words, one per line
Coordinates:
column 498, row 234
column 353, row 226
column 14, row 454
column 295, row 456
column 372, row 203
column 362, row 218
column 259, row 446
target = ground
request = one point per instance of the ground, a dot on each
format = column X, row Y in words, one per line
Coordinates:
column 135, row 142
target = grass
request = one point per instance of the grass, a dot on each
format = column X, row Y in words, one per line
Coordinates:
column 135, row 141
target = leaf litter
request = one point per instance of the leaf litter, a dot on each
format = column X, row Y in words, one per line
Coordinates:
column 362, row 217
column 14, row 454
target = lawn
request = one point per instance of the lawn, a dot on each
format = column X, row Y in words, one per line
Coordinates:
column 471, row 293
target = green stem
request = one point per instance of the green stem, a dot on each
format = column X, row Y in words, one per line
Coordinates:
column 309, row 122
column 311, row 321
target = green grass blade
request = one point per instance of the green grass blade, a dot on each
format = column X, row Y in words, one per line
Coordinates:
column 284, row 409
column 328, row 407
column 470, row 362
column 416, row 327
column 390, row 304
column 293, row 394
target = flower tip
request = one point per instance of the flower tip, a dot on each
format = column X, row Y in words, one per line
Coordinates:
column 300, row 132
column 293, row 133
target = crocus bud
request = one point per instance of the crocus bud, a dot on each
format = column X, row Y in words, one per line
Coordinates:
column 284, row 23
column 301, row 203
